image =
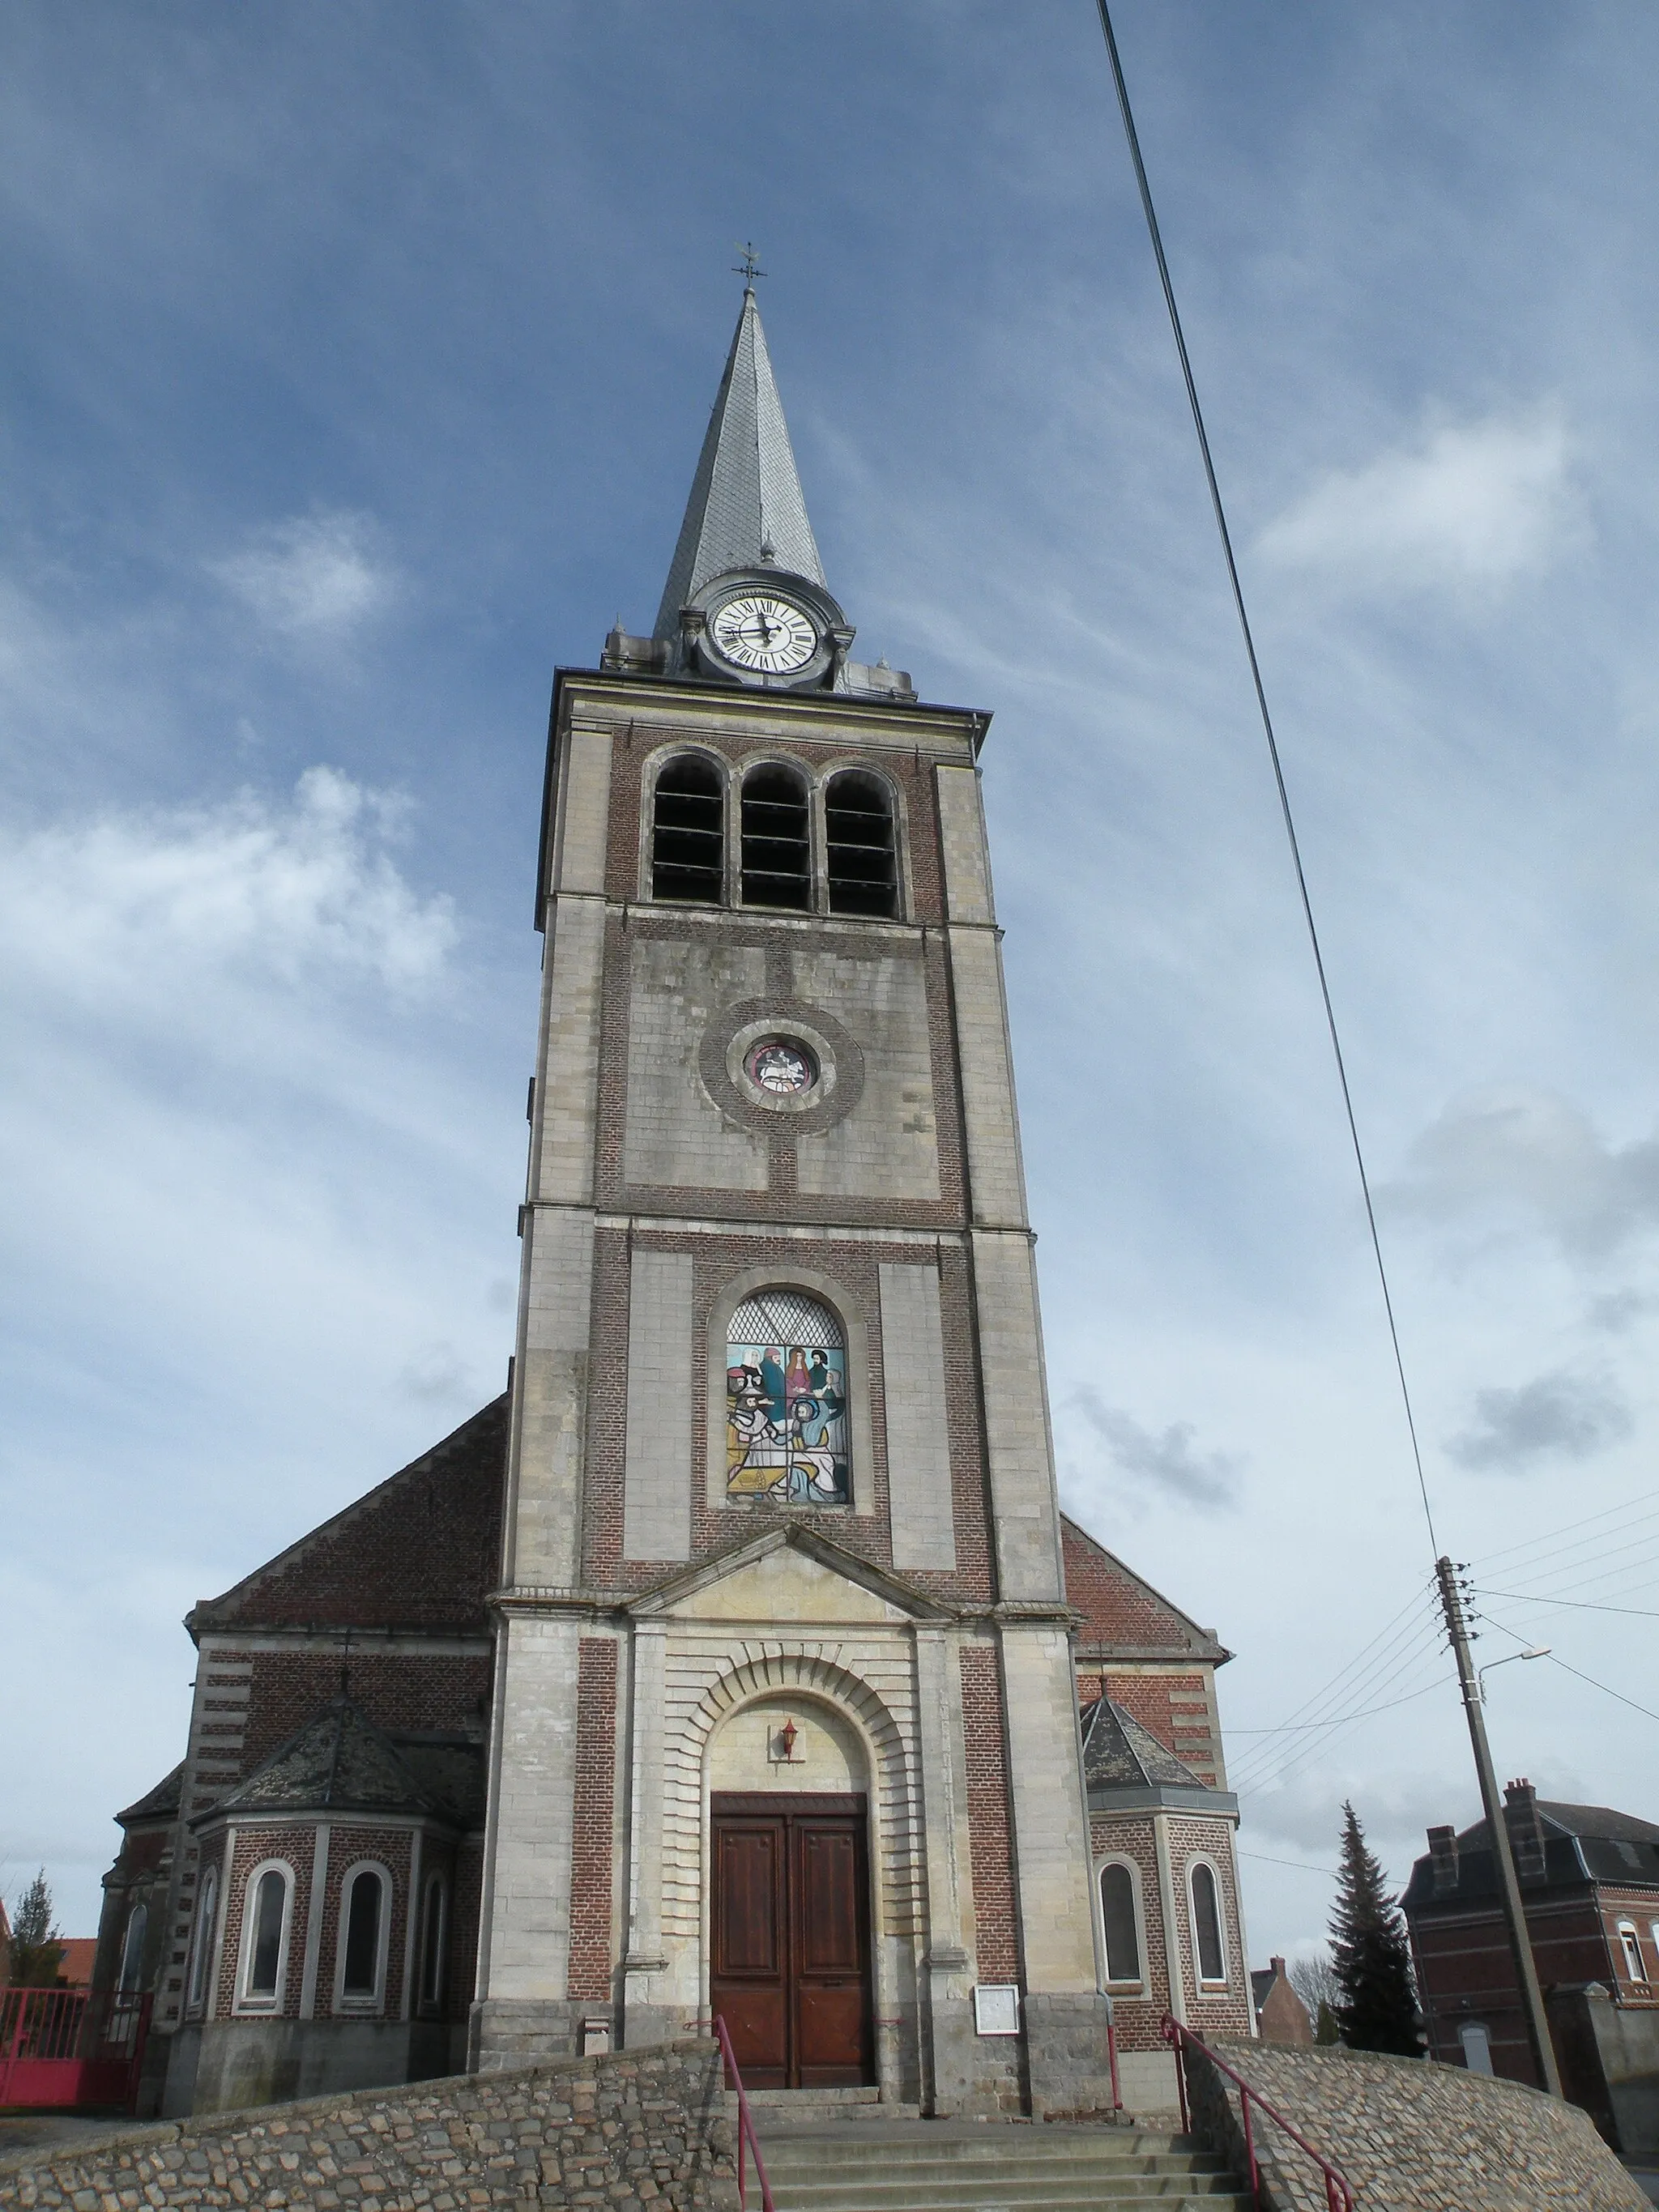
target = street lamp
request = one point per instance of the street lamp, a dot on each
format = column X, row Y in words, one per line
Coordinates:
column 1539, row 1651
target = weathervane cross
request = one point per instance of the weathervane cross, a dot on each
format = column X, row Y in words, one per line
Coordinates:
column 749, row 268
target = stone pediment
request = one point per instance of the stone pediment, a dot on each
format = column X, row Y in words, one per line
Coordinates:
column 793, row 1575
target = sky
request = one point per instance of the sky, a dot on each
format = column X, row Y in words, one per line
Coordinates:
column 357, row 359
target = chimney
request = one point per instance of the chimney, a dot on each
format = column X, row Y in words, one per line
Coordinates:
column 1526, row 1829
column 1443, row 1852
column 1278, row 1966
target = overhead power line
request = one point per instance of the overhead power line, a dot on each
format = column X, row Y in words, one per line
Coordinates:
column 1261, row 689
column 1573, row 1604
column 1553, row 1536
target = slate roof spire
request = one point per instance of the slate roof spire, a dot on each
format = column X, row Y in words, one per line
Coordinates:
column 746, row 510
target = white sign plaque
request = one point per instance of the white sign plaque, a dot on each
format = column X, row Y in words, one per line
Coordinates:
column 996, row 2009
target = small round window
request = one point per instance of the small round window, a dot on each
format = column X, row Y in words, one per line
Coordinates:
column 782, row 1066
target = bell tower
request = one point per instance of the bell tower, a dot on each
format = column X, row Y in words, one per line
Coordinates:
column 785, row 1721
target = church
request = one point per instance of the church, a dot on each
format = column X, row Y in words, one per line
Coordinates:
column 738, row 1660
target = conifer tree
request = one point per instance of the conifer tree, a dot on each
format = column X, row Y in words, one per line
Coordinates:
column 37, row 1947
column 1378, row 2010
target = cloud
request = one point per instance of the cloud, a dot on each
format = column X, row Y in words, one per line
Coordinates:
column 1531, row 1154
column 139, row 910
column 1475, row 504
column 436, row 1372
column 1616, row 1311
column 1559, row 1415
column 315, row 577
column 1168, row 1461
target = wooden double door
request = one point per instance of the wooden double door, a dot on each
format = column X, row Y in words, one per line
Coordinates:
column 791, row 1938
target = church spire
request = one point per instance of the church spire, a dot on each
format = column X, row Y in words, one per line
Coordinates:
column 746, row 510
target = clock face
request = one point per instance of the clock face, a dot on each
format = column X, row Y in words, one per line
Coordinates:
column 765, row 634
column 781, row 1066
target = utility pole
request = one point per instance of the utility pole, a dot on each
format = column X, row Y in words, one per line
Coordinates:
column 1526, row 1972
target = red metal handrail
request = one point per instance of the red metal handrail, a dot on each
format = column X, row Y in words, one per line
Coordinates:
column 1112, row 2053
column 1338, row 2196
column 745, row 2125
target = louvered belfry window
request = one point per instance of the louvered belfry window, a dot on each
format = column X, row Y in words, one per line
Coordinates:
column 858, row 814
column 688, row 832
column 777, row 847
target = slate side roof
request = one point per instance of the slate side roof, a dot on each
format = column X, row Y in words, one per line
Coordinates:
column 421, row 1550
column 1120, row 1753
column 1581, row 1843
column 1123, row 1613
column 746, row 508
column 340, row 1761
column 160, row 1803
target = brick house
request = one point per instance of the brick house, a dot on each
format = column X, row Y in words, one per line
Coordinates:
column 1589, row 1884
column 733, row 1661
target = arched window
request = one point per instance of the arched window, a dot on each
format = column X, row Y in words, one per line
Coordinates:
column 201, row 1955
column 777, row 846
column 786, row 1402
column 687, row 831
column 434, row 1929
column 1207, row 1923
column 363, row 1950
column 1120, row 1922
column 264, row 1937
column 132, row 1949
column 858, row 820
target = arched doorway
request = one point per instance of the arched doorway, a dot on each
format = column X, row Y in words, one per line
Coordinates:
column 790, row 1896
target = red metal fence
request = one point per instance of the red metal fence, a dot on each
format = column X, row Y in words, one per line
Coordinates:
column 71, row 2047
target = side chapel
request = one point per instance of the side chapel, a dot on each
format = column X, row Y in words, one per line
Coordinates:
column 738, row 1659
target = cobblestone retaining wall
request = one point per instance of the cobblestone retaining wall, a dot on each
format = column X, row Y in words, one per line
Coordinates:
column 621, row 2131
column 1410, row 2136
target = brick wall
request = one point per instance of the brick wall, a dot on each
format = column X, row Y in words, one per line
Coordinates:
column 594, row 1824
column 1129, row 1835
column 619, row 2131
column 866, row 1529
column 395, row 1689
column 990, row 1843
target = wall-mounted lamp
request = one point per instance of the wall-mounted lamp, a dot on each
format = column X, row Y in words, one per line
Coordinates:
column 786, row 1735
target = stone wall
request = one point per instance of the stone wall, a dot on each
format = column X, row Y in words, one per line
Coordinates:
column 620, row 2132
column 1409, row 2135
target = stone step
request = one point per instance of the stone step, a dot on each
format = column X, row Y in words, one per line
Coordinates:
column 1169, row 2193
column 869, row 2165
column 811, row 2107
column 846, row 2149
column 1003, row 2185
column 822, row 2162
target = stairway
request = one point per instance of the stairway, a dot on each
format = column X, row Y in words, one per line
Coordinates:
column 902, row 2164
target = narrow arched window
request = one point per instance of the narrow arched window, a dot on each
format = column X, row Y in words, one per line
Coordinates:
column 1117, row 1912
column 777, row 847
column 365, row 1904
column 132, row 1948
column 201, row 1956
column 786, row 1402
column 688, row 832
column 1207, row 1925
column 858, row 820
column 433, row 1932
column 264, row 1941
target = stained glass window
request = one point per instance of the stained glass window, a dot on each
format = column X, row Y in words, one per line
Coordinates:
column 786, row 1402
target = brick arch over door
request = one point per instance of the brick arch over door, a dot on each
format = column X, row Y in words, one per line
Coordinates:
column 895, row 1840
